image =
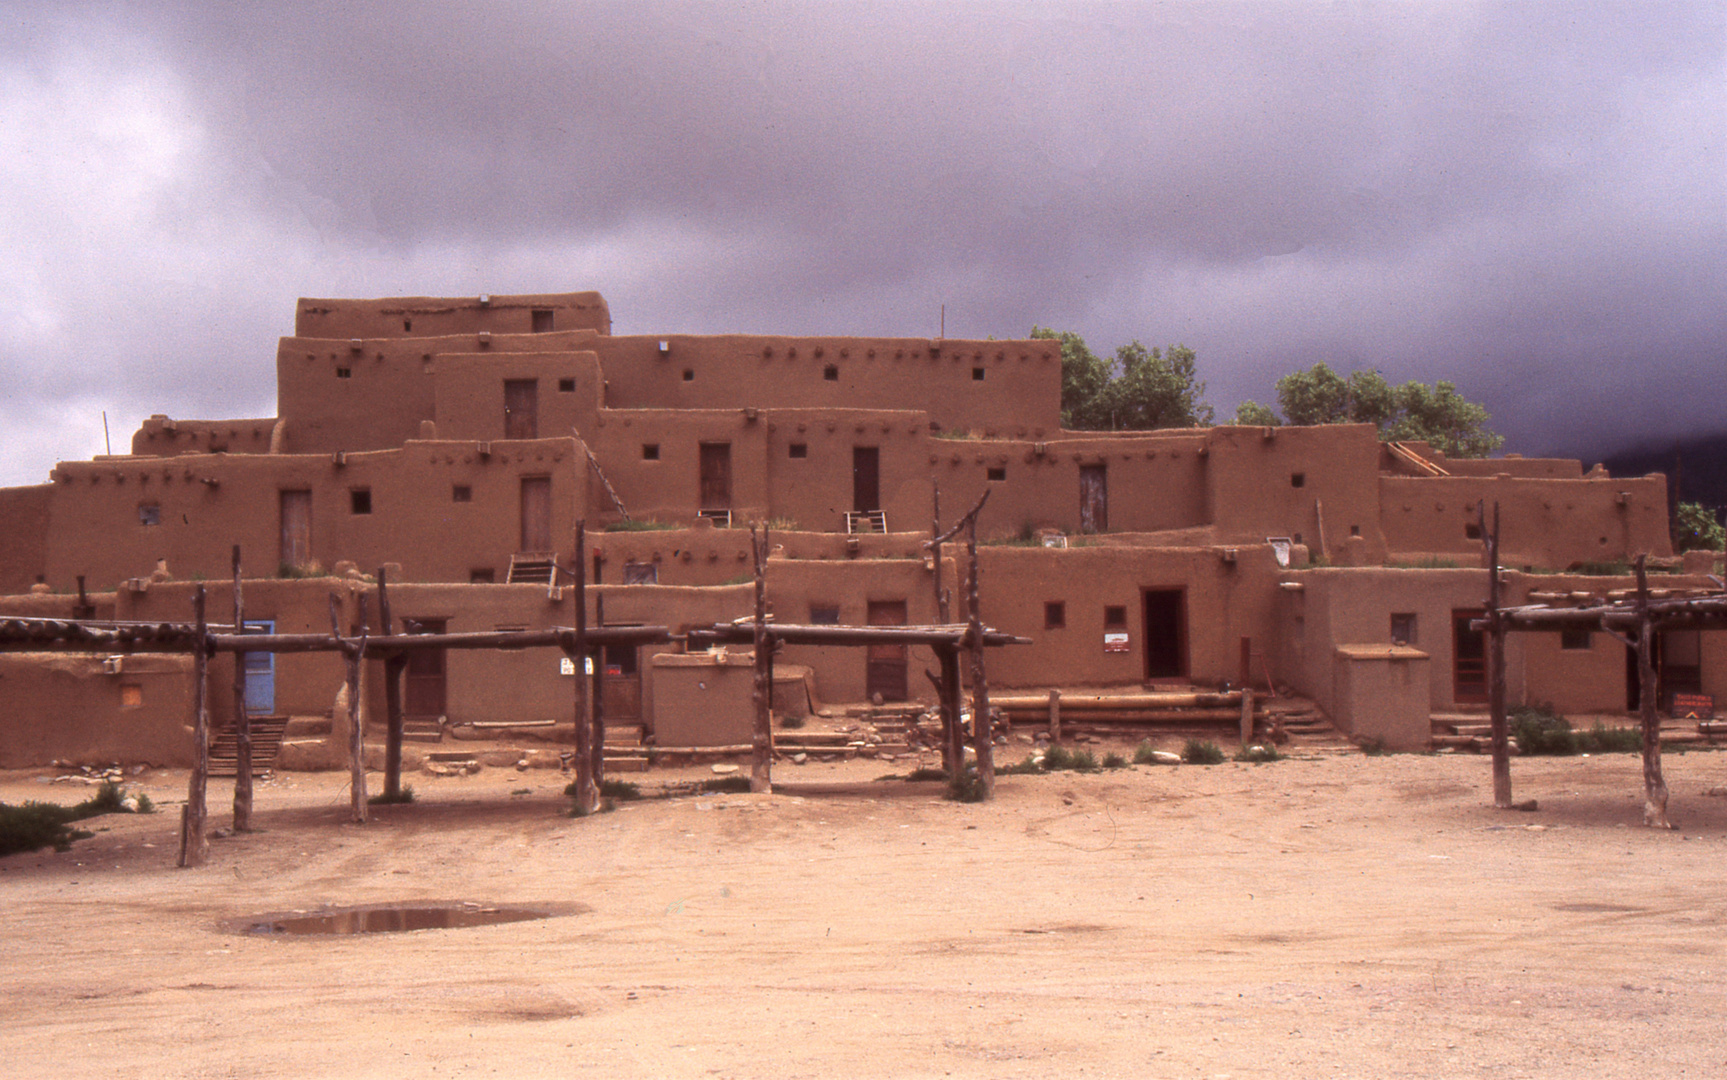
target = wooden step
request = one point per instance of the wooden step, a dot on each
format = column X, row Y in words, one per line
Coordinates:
column 266, row 744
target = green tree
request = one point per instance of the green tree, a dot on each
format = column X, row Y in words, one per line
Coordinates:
column 1084, row 377
column 1253, row 414
column 1437, row 414
column 1139, row 389
column 1698, row 528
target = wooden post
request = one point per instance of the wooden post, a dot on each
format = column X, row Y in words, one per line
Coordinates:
column 352, row 653
column 587, row 787
column 597, row 723
column 1654, row 786
column 941, row 606
column 983, row 737
column 1246, row 714
column 1500, row 729
column 953, row 703
column 194, row 844
column 394, row 664
column 242, row 719
column 762, row 738
column 1055, row 716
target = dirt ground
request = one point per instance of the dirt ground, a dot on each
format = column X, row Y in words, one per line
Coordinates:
column 1333, row 916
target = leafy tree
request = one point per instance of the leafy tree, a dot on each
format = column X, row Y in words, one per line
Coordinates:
column 1253, row 414
column 1437, row 414
column 1139, row 389
column 1698, row 529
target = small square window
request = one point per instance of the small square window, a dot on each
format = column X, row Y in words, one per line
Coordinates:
column 360, row 500
column 1576, row 638
column 1471, row 531
column 150, row 514
column 831, row 373
column 977, row 374
column 1115, row 617
column 824, row 614
column 542, row 320
column 461, row 493
column 651, row 451
column 1402, row 628
column 344, row 373
column 482, row 575
column 997, row 472
column 407, row 326
column 1298, row 479
column 798, row 450
column 1355, row 530
column 131, row 696
column 639, row 573
column 1054, row 614
column 689, row 375
column 566, row 386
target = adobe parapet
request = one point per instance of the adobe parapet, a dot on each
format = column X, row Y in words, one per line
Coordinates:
column 161, row 436
column 422, row 316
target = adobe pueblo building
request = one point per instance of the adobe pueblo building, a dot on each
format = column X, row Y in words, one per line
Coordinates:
column 459, row 442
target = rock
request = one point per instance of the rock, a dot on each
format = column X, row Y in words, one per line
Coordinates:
column 437, row 768
column 724, row 769
column 129, row 804
column 799, row 759
column 522, row 765
column 1164, row 757
column 1719, row 790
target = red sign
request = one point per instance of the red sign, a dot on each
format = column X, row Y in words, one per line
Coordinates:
column 1114, row 642
column 1692, row 706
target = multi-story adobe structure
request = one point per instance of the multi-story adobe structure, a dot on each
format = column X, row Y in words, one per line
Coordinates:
column 460, row 441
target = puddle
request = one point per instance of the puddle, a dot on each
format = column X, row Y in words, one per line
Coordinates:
column 393, row 918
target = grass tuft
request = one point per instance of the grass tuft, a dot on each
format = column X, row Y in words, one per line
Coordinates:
column 1114, row 761
column 967, row 787
column 1202, row 752
column 37, row 825
column 1258, row 752
column 621, row 790
column 735, row 785
column 1145, row 754
column 384, row 798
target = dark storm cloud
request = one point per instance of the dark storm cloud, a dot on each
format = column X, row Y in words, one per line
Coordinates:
column 1527, row 199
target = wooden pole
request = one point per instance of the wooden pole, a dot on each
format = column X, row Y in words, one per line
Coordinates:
column 941, row 596
column 352, row 650
column 983, row 737
column 587, row 787
column 1246, row 715
column 762, row 738
column 394, row 664
column 597, row 710
column 1654, row 785
column 194, row 844
column 1500, row 728
column 1055, row 716
column 242, row 719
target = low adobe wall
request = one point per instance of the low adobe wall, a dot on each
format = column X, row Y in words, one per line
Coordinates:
column 91, row 710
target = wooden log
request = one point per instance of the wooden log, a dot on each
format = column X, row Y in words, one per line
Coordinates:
column 983, row 737
column 1072, row 702
column 394, row 666
column 194, row 844
column 1246, row 717
column 1654, row 784
column 1054, row 716
column 761, row 738
column 1071, row 721
column 953, row 700
column 242, row 719
column 554, row 638
column 587, row 786
column 351, row 653
column 1501, row 736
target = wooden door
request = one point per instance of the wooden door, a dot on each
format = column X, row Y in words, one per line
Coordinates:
column 1165, row 634
column 423, row 695
column 296, row 528
column 1093, row 498
column 1468, row 657
column 521, row 408
column 885, row 665
column 716, row 476
column 260, row 668
column 866, row 478
column 621, row 684
column 536, row 514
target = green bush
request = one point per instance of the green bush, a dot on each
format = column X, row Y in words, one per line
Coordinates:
column 621, row 790
column 1258, row 752
column 1602, row 739
column 927, row 772
column 967, row 787
column 1145, row 754
column 1114, row 761
column 1057, row 757
column 384, row 798
column 1540, row 732
column 726, row 785
column 1029, row 767
column 1201, row 752
column 37, row 825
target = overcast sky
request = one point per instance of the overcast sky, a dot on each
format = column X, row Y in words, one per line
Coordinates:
column 1528, row 199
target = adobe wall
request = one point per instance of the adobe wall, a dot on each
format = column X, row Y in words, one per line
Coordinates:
column 25, row 512
column 207, row 503
column 423, row 316
column 795, row 586
column 667, row 488
column 1381, row 696
column 1543, row 523
column 468, row 392
column 64, row 706
column 706, row 556
column 1018, row 395
column 814, row 491
column 1286, row 481
column 160, row 436
column 389, row 386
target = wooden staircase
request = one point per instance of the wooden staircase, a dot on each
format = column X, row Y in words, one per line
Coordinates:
column 533, row 568
column 625, row 751
column 266, row 744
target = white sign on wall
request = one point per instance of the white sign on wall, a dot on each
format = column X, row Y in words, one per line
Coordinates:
column 566, row 666
column 1115, row 641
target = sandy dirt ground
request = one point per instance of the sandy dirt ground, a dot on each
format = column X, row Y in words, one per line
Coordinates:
column 1338, row 916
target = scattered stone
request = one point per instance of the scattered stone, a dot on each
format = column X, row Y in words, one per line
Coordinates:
column 1165, row 757
column 799, row 759
column 1719, row 790
column 724, row 769
column 522, row 765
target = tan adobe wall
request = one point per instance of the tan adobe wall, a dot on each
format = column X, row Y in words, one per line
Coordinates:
column 423, row 316
column 839, row 673
column 1286, row 481
column 1019, row 395
column 468, row 392
column 1543, row 523
column 815, row 490
column 207, row 503
column 711, row 556
column 26, row 512
column 66, row 707
column 1381, row 696
column 373, row 393
column 161, row 436
column 667, row 489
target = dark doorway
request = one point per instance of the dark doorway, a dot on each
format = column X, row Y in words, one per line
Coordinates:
column 296, row 528
column 866, row 478
column 716, row 476
column 1468, row 657
column 1678, row 659
column 423, row 688
column 1093, row 498
column 521, row 408
column 1165, row 634
column 885, row 668
column 536, row 514
column 621, row 684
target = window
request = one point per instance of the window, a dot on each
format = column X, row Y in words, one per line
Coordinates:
column 344, row 373
column 689, row 375
column 831, row 373
column 651, row 451
column 1115, row 617
column 360, row 500
column 131, row 696
column 798, row 450
column 1403, row 628
column 1054, row 614
column 977, row 374
column 566, row 386
column 542, row 320
column 407, row 326
column 461, row 493
column 640, row 573
column 1355, row 530
column 149, row 514
column 482, row 575
column 1575, row 638
column 1298, row 479
column 1471, row 531
column 997, row 472
column 824, row 614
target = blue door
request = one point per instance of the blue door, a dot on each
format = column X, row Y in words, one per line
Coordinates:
column 260, row 673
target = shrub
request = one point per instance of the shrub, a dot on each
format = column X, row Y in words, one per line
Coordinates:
column 384, row 798
column 1539, row 731
column 726, row 785
column 1145, row 754
column 1114, row 761
column 1258, row 753
column 967, row 787
column 1602, row 739
column 642, row 526
column 1029, row 767
column 37, row 825
column 621, row 790
column 1082, row 761
column 927, row 772
column 1201, row 752
column 792, row 723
